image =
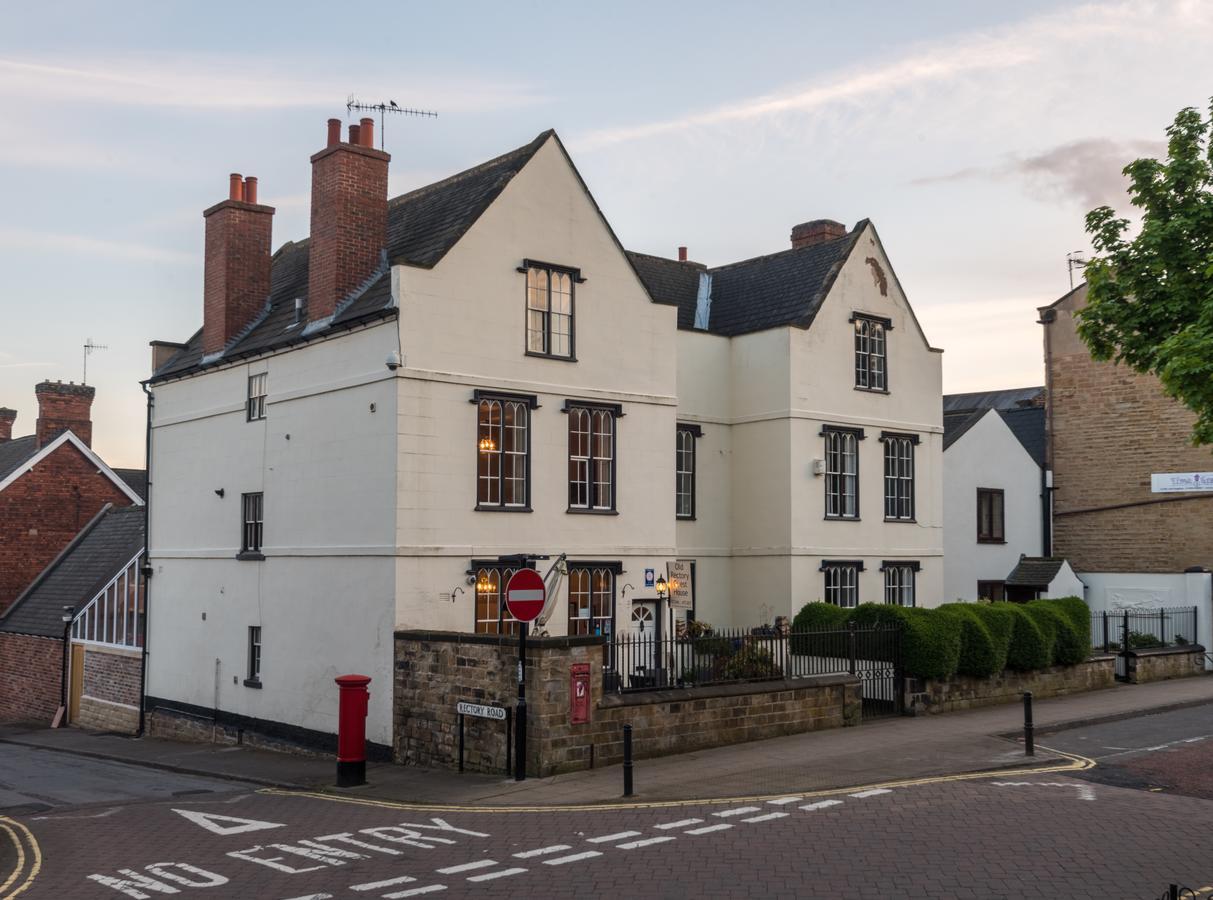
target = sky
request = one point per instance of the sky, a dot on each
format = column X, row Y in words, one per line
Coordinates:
column 975, row 136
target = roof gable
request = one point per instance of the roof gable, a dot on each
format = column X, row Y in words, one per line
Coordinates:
column 1028, row 425
column 1035, row 571
column 67, row 437
column 15, row 453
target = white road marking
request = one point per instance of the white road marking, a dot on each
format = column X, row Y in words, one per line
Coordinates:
column 413, row 892
column 636, row 845
column 375, row 885
column 821, row 804
column 100, row 815
column 739, row 811
column 710, row 828
column 1085, row 791
column 784, row 801
column 542, row 851
column 767, row 818
column 211, row 822
column 314, row 897
column 575, row 857
column 489, row 876
column 607, row 838
column 346, row 837
column 679, row 824
column 467, row 867
column 872, row 793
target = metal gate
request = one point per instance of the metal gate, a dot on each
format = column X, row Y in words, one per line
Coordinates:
column 875, row 658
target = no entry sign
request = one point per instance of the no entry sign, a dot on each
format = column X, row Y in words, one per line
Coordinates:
column 525, row 595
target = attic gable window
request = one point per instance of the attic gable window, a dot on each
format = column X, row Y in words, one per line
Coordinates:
column 549, row 310
column 871, row 361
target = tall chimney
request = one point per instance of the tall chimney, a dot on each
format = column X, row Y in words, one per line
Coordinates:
column 806, row 234
column 236, row 280
column 7, row 418
column 682, row 254
column 63, row 407
column 349, row 219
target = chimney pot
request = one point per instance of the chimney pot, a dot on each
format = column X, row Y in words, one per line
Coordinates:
column 367, row 132
column 682, row 254
column 818, row 231
column 355, row 135
column 250, row 190
column 334, row 132
column 235, row 187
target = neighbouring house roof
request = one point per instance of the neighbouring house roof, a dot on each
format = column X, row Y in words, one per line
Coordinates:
column 1035, row 571
column 100, row 551
column 1008, row 398
column 15, row 453
column 136, row 480
column 956, row 424
column 24, row 460
column 784, row 288
column 422, row 226
column 1028, row 424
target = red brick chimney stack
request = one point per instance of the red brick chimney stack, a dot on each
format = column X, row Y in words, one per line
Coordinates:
column 63, row 407
column 682, row 254
column 818, row 231
column 7, row 418
column 236, row 280
column 349, row 216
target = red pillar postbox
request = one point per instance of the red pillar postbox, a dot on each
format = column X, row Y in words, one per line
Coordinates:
column 351, row 729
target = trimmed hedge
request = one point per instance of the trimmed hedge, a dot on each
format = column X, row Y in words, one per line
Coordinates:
column 930, row 643
column 1075, row 609
column 820, row 615
column 1029, row 648
column 980, row 656
column 1000, row 622
column 1071, row 639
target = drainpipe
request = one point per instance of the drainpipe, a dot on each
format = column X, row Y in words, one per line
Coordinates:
column 1047, row 317
column 146, row 569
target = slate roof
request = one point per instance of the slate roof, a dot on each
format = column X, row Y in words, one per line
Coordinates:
column 955, row 424
column 95, row 555
column 135, row 479
column 1028, row 424
column 1035, row 571
column 784, row 288
column 1011, row 398
column 15, row 453
column 422, row 226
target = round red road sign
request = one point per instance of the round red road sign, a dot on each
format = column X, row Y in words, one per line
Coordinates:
column 525, row 595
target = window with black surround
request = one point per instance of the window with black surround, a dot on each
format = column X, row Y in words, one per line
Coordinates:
column 991, row 525
column 492, row 616
column 255, row 405
column 550, row 327
column 592, row 456
column 871, row 357
column 841, row 581
column 899, row 578
column 503, row 460
column 592, row 598
column 684, row 470
column 842, row 471
column 898, row 476
column 254, row 657
column 253, row 515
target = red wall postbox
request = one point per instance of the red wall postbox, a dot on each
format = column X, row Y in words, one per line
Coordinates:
column 579, row 693
column 351, row 729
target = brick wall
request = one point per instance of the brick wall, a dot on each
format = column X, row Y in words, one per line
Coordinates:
column 110, row 696
column 236, row 280
column 31, row 673
column 43, row 510
column 436, row 670
column 1110, row 429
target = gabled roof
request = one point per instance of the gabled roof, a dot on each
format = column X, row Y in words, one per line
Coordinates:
column 956, row 424
column 1035, row 571
column 15, row 453
column 784, row 288
column 1009, row 398
column 102, row 549
column 29, row 461
column 1028, row 424
column 423, row 225
column 136, row 480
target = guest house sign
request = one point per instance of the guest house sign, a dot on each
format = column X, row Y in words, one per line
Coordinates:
column 1181, row 482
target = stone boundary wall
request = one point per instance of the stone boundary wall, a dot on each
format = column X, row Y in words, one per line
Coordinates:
column 435, row 670
column 928, row 696
column 1169, row 662
column 109, row 700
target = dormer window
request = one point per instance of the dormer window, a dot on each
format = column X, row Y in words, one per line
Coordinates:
column 549, row 310
column 871, row 363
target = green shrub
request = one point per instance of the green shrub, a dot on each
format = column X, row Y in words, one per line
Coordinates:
column 1075, row 609
column 1029, row 649
column 816, row 616
column 930, row 641
column 1070, row 622
column 1000, row 622
column 752, row 661
column 1143, row 640
column 979, row 655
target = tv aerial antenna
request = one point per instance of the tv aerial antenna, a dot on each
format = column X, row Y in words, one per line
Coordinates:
column 1075, row 260
column 89, row 347
column 390, row 106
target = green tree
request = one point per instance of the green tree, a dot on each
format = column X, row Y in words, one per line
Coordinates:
column 1150, row 299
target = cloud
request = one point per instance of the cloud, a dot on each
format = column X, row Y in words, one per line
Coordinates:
column 25, row 365
column 1088, row 171
column 63, row 244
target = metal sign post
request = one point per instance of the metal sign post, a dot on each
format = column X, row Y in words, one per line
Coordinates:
column 525, row 597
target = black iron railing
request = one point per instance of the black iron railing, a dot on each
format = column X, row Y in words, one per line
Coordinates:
column 1146, row 628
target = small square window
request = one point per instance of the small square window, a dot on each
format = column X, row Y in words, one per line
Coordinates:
column 255, row 408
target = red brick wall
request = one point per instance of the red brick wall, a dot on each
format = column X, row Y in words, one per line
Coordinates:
column 236, row 277
column 63, row 407
column 43, row 510
column 112, row 676
column 349, row 223
column 31, row 671
column 1110, row 429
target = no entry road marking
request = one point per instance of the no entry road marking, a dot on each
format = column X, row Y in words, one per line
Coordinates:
column 607, row 838
column 542, row 851
column 212, row 822
column 575, row 857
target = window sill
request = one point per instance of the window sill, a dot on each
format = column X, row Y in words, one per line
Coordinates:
column 505, row 509
column 592, row 512
column 902, row 521
column 690, row 518
column 254, row 555
column 981, row 540
column 550, row 356
column 248, row 682
column 868, row 390
column 842, row 518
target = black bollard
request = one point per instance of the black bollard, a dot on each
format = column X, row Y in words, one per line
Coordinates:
column 627, row 760
column 1029, row 742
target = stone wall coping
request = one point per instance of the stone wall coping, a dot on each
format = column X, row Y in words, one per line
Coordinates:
column 503, row 640
column 732, row 689
column 1169, row 651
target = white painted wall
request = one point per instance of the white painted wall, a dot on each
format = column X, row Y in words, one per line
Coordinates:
column 1064, row 584
column 988, row 455
column 1128, row 590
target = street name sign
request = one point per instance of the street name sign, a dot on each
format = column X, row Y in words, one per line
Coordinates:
column 480, row 710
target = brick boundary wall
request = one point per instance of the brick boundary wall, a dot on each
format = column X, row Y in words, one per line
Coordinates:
column 110, row 697
column 435, row 670
column 31, row 678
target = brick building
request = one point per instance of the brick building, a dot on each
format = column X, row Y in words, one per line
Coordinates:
column 52, row 484
column 1109, row 430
